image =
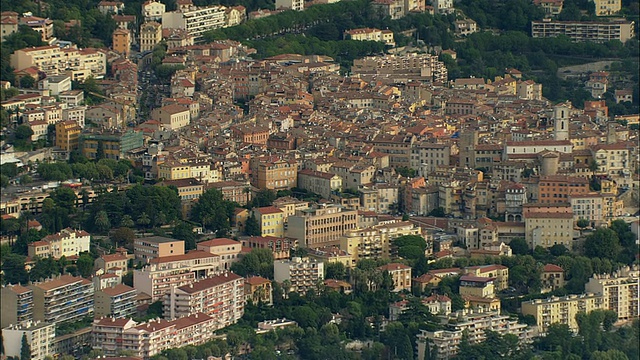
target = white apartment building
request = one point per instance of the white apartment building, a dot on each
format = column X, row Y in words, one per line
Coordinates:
column 368, row 34
column 475, row 323
column 297, row 5
column 153, row 10
column 425, row 157
column 163, row 273
column 196, row 21
column 221, row 297
column 619, row 291
column 321, row 183
column 40, row 337
column 150, row 35
column 172, row 116
column 53, row 60
column 302, row 273
column 584, row 30
column 67, row 242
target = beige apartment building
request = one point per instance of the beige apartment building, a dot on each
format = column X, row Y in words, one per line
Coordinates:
column 277, row 175
column 172, row 116
column 555, row 310
column 150, row 35
column 374, row 242
column 401, row 275
column 229, row 250
column 482, row 287
column 67, row 242
column 221, row 297
column 149, row 248
column 499, row 272
column 161, row 274
column 368, row 34
column 319, row 227
column 321, row 183
column 258, row 289
column 302, row 274
column 619, row 292
column 52, row 299
column 117, row 301
column 53, row 60
column 547, row 229
column 196, row 20
column 584, row 30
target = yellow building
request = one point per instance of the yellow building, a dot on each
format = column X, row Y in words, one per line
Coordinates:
column 150, row 35
column 373, row 242
column 552, row 277
column 173, row 170
column 401, row 275
column 271, row 221
column 258, row 289
column 68, row 135
column 277, row 175
column 122, row 41
column 368, row 34
column 563, row 310
column 499, row 272
column 477, row 286
column 322, row 226
column 607, row 7
column 332, row 254
column 547, row 229
column 110, row 145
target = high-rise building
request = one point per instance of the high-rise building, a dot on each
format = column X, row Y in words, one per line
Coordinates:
column 584, row 30
column 619, row 291
column 65, row 298
column 555, row 310
column 302, row 274
column 40, row 337
column 319, row 227
column 117, row 301
column 17, row 305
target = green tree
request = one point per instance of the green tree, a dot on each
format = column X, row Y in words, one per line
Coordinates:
column 127, row 221
column 123, row 236
column 13, row 269
column 251, row 227
column 213, row 212
column 43, row 269
column 603, row 243
column 102, row 221
column 85, row 265
column 27, row 82
column 437, row 212
column 184, row 231
column 582, row 223
column 23, row 132
column 25, row 349
column 143, row 220
column 519, row 246
column 335, row 270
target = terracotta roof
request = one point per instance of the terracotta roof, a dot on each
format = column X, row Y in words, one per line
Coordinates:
column 256, row 280
column 476, row 279
column 61, row 281
column 108, row 321
column 268, row 210
column 219, row 242
column 394, row 267
column 191, row 255
column 548, row 215
column 552, row 268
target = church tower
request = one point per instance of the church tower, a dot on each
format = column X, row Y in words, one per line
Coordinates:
column 561, row 121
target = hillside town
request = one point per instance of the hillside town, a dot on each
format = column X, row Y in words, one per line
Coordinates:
column 174, row 190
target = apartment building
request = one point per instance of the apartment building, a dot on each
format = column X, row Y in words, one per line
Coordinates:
column 437, row 305
column 236, row 191
column 280, row 247
column 152, row 10
column 121, row 40
column 321, row 183
column 8, row 24
column 499, row 272
column 368, row 34
column 68, row 135
column 481, row 287
column 221, row 297
column 67, row 242
column 113, row 263
column 550, row 7
column 619, row 291
column 115, row 144
column 117, row 301
column 612, row 159
column 295, row 5
column 196, row 20
column 172, row 117
column 113, row 336
column 150, row 35
column 584, row 30
column 53, row 60
column 426, row 157
column 16, row 305
column 392, row 8
column 423, row 67
column 321, row 226
column 250, row 134
column 607, row 7
column 228, row 250
column 161, row 274
column 401, row 275
column 189, row 190
column 552, row 277
column 149, row 248
column 549, row 228
column 277, row 175
column 62, row 299
column 271, row 221
column 303, row 274
column 40, row 337
column 445, row 343
column 559, row 188
column 374, row 242
column 258, row 289
column 562, row 310
column 398, row 148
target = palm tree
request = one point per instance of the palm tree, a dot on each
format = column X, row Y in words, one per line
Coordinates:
column 144, row 220
column 102, row 221
column 247, row 191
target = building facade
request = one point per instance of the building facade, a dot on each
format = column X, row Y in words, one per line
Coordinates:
column 555, row 310
column 62, row 299
column 302, row 274
column 323, row 226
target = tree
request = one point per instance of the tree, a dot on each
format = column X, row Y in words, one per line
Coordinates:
column 582, row 223
column 519, row 246
column 123, row 236
column 437, row 212
column 85, row 265
column 143, row 220
column 126, row 221
column 184, row 231
column 25, row 349
column 23, row 132
column 557, row 250
column 14, row 271
column 43, row 269
column 27, row 82
column 603, row 243
column 251, row 227
column 335, row 270
column 213, row 212
column 102, row 221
